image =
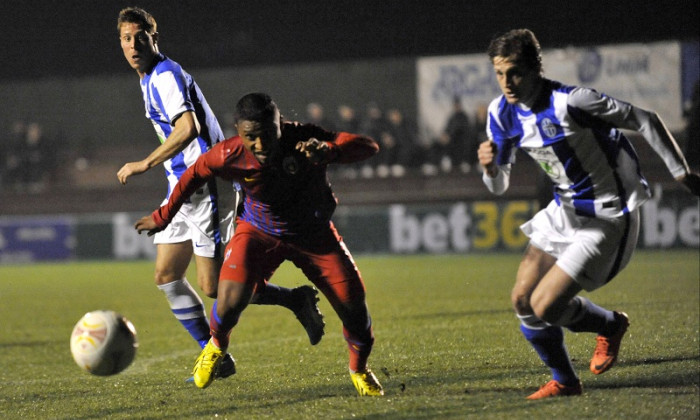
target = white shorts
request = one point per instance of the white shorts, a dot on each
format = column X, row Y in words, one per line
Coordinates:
column 591, row 250
column 196, row 221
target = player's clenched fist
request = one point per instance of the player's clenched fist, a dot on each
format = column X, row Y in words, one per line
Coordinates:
column 314, row 149
column 487, row 157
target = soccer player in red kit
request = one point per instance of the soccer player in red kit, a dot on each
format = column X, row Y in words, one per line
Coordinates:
column 286, row 216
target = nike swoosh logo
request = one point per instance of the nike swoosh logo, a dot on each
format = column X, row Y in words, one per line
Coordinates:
column 605, row 363
column 198, row 245
column 246, row 179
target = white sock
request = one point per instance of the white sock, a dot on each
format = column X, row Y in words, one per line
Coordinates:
column 188, row 308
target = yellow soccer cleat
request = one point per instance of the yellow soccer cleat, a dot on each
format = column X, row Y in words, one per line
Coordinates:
column 207, row 364
column 366, row 383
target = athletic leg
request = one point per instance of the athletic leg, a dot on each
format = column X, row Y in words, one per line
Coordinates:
column 302, row 300
column 208, row 268
column 345, row 291
column 546, row 339
column 251, row 257
column 208, row 274
column 602, row 248
column 233, row 299
column 582, row 315
column 329, row 265
column 555, row 301
column 171, row 265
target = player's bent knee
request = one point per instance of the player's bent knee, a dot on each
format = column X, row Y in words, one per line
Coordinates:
column 210, row 291
column 532, row 321
column 549, row 313
column 520, row 302
column 234, row 296
column 164, row 277
column 209, row 285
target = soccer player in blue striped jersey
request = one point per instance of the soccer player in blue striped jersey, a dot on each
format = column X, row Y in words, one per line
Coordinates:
column 588, row 232
column 187, row 128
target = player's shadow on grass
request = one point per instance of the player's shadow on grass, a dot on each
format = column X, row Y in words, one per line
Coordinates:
column 659, row 361
column 673, row 380
column 295, row 396
column 34, row 343
column 665, row 379
column 456, row 314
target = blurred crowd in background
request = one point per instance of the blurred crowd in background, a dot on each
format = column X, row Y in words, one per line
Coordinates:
column 27, row 158
column 32, row 160
column 403, row 149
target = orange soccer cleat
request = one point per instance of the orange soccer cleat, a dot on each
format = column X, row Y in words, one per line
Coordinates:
column 555, row 389
column 607, row 348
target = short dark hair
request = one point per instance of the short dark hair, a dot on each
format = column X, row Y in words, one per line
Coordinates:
column 137, row 15
column 521, row 46
column 255, row 107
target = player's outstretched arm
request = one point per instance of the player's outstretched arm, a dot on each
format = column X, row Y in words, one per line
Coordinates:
column 148, row 225
column 351, row 148
column 346, row 148
column 316, row 151
column 185, row 130
column 131, row 168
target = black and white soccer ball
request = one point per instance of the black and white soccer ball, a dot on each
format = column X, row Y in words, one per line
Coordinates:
column 103, row 342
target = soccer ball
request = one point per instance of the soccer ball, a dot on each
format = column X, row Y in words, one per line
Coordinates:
column 103, row 343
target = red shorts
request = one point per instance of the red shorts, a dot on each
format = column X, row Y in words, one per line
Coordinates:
column 253, row 256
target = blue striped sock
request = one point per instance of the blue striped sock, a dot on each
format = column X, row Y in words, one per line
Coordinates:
column 188, row 308
column 549, row 344
column 590, row 317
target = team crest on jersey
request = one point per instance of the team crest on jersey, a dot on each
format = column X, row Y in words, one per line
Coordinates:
column 548, row 161
column 550, row 168
column 548, row 128
column 290, row 165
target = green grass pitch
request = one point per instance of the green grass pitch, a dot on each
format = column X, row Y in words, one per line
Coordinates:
column 447, row 346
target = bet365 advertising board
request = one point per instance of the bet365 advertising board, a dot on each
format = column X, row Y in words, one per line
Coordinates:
column 669, row 220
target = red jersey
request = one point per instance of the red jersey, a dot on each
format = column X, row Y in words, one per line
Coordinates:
column 288, row 196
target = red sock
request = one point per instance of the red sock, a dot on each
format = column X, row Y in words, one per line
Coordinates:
column 219, row 336
column 359, row 349
column 220, row 340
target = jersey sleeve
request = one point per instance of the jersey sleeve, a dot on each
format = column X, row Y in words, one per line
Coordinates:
column 191, row 180
column 599, row 105
column 499, row 133
column 350, row 148
column 500, row 183
column 173, row 94
column 623, row 115
column 344, row 147
column 505, row 155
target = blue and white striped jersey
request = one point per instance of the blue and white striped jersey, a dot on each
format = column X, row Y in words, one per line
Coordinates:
column 574, row 134
column 168, row 92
